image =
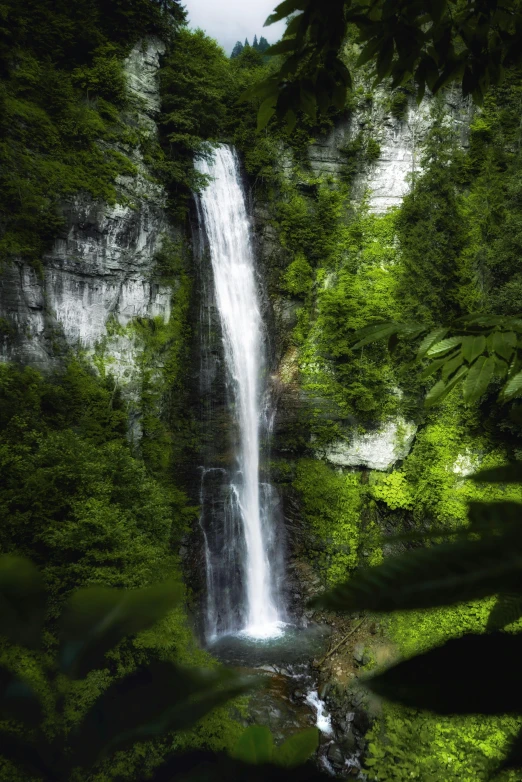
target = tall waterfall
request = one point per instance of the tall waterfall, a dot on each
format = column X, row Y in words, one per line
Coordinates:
column 242, row 557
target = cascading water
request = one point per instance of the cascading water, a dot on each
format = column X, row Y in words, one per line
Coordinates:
column 241, row 558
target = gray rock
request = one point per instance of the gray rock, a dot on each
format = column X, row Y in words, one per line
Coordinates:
column 335, row 755
column 348, row 741
column 378, row 450
column 101, row 267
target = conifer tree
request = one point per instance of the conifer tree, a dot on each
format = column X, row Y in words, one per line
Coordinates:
column 255, row 43
column 262, row 45
column 238, row 48
column 246, row 43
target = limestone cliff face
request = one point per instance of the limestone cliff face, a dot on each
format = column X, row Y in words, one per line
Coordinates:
column 101, row 267
column 383, row 182
column 386, row 180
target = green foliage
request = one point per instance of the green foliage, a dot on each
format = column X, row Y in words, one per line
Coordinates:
column 71, row 485
column 141, row 705
column 164, row 400
column 462, row 570
column 77, row 501
column 61, row 98
column 354, row 279
column 50, row 146
column 480, row 561
column 437, row 44
column 486, row 350
column 236, row 51
column 256, row 746
column 373, row 150
column 408, row 744
column 431, row 233
column 351, row 155
column 393, row 489
column 95, row 619
column 299, row 276
column 399, row 104
column 194, row 82
column 54, row 30
column 331, row 505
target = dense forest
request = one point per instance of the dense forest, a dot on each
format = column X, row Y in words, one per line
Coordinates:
column 394, row 368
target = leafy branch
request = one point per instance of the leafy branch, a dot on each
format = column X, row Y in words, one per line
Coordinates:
column 434, row 42
column 481, row 560
column 473, row 352
column 151, row 701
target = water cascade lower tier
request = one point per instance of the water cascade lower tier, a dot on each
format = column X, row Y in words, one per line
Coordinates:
column 243, row 582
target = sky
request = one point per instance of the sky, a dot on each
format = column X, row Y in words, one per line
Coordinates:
column 229, row 21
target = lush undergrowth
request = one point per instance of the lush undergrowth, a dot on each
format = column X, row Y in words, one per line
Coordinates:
column 78, row 502
column 88, row 504
column 62, row 99
column 453, row 247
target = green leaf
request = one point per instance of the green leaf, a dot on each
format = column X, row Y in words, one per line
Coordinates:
column 266, row 112
column 444, row 679
column 452, row 72
column 369, row 51
column 97, row 618
column 433, row 337
column 284, row 46
column 261, row 90
column 297, row 749
column 501, row 368
column 506, row 610
column 432, row 368
column 339, row 93
column 512, row 387
column 384, row 58
column 447, row 573
column 473, row 347
column 22, row 601
column 451, row 366
column 285, row 9
column 18, row 700
column 478, row 379
column 375, row 332
column 494, row 517
column 435, row 393
column 478, row 319
column 508, row 473
column 151, row 702
column 290, row 120
column 308, row 103
column 256, row 745
column 441, row 390
column 443, row 346
column 503, row 343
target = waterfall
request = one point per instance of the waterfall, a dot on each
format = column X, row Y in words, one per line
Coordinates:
column 241, row 541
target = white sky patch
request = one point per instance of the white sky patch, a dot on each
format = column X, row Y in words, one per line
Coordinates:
column 234, row 20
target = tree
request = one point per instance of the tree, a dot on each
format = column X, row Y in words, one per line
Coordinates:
column 155, row 699
column 246, row 43
column 263, row 45
column 255, row 43
column 435, row 43
column 238, row 48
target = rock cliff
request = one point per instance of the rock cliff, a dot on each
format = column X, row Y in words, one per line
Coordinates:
column 381, row 180
column 101, row 268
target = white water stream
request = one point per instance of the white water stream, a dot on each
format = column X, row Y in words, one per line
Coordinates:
column 223, row 211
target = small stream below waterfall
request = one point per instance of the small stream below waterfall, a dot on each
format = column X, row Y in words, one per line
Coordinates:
column 247, row 622
column 291, row 701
